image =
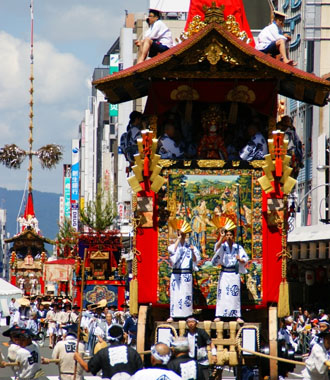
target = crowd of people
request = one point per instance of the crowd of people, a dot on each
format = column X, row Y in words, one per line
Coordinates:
column 107, row 343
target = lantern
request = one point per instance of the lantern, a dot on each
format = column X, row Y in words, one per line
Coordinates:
column 310, row 277
column 320, row 275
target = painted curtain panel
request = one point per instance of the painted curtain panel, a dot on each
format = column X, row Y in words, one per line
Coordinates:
column 206, row 199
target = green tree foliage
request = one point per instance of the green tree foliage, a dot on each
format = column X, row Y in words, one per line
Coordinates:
column 67, row 238
column 100, row 213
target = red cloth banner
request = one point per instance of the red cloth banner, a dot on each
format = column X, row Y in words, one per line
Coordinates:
column 232, row 7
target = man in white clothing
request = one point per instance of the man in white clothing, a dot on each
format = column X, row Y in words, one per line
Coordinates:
column 158, row 38
column 232, row 258
column 318, row 362
column 272, row 40
column 184, row 258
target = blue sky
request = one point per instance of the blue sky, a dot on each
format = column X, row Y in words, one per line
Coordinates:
column 71, row 37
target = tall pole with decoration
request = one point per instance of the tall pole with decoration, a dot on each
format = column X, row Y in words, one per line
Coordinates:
column 49, row 155
column 277, row 184
column 145, row 183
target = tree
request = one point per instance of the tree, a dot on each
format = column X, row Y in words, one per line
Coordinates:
column 99, row 214
column 67, row 238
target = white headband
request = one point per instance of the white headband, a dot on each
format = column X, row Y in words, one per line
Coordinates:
column 163, row 358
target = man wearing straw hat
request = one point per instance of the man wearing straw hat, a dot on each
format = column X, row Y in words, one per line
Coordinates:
column 232, row 258
column 184, row 258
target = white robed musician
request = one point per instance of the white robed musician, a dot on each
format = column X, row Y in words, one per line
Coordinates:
column 232, row 258
column 184, row 258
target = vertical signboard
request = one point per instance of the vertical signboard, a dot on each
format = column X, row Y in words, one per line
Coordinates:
column 114, row 68
column 61, row 211
column 75, row 171
column 67, row 190
column 75, row 215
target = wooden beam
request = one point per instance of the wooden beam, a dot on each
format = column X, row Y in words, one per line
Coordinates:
column 272, row 331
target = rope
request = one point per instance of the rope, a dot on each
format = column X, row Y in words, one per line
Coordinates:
column 165, row 325
column 271, row 357
column 240, row 348
column 247, row 326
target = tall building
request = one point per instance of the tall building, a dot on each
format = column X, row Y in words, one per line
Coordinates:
column 309, row 242
column 4, row 258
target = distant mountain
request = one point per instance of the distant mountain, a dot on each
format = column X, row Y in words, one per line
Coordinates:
column 46, row 208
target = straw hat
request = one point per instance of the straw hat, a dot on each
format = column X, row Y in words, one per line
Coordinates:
column 100, row 305
column 23, row 302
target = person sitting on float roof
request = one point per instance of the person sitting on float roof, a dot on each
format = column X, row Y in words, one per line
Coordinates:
column 157, row 39
column 272, row 40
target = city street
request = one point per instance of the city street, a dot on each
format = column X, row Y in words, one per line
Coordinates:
column 51, row 371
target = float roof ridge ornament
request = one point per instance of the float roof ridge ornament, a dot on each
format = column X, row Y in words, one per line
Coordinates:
column 214, row 14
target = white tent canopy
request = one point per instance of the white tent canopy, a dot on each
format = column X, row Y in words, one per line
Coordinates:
column 7, row 292
column 170, row 5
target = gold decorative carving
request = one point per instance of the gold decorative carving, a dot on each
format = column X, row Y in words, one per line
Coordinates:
column 211, row 163
column 214, row 13
column 233, row 27
column 241, row 94
column 257, row 164
column 184, row 92
column 216, row 51
column 194, row 27
column 187, row 163
column 166, row 163
column 236, row 163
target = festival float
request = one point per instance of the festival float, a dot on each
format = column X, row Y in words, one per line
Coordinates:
column 28, row 253
column 214, row 76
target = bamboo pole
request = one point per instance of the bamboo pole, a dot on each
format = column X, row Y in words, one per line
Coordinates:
column 80, row 313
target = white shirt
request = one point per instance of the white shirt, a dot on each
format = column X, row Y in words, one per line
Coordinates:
column 155, row 374
column 182, row 256
column 227, row 258
column 269, row 34
column 29, row 361
column 64, row 350
column 159, row 32
column 315, row 367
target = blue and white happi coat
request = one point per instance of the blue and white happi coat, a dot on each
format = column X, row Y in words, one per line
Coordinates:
column 255, row 149
column 229, row 284
column 181, row 283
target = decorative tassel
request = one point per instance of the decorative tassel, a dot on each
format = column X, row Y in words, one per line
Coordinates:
column 283, row 299
column 133, row 296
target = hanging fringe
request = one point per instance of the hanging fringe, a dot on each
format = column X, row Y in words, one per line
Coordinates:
column 283, row 299
column 133, row 296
